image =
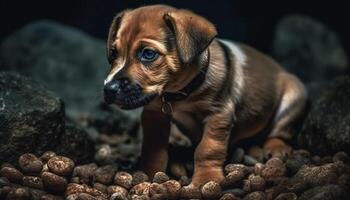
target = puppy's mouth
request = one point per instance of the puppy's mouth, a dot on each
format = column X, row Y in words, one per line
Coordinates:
column 127, row 96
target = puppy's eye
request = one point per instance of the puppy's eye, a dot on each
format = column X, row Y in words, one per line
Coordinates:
column 112, row 55
column 148, row 55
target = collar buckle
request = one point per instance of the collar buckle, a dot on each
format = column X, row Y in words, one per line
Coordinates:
column 166, row 106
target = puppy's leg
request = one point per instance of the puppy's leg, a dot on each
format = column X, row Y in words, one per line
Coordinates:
column 154, row 155
column 291, row 108
column 211, row 152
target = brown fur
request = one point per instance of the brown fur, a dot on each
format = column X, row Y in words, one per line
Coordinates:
column 237, row 100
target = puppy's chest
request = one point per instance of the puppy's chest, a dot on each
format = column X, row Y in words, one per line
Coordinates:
column 189, row 120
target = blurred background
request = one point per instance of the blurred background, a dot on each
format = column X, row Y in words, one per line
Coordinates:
column 249, row 21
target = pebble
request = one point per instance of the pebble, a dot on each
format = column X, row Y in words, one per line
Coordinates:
column 257, row 153
column 104, row 175
column 257, row 183
column 228, row 197
column 249, row 160
column 30, row 164
column 100, row 187
column 85, row 172
column 116, row 189
column 61, row 165
column 139, row 177
column 274, row 169
column 211, row 190
column 117, row 196
column 238, row 192
column 233, row 178
column 54, row 182
column 258, row 168
column 4, row 182
column 51, row 197
column 33, row 182
column 341, row 156
column 158, row 191
column 19, row 194
column 255, row 196
column 190, row 192
column 12, row 174
column 123, row 179
column 184, row 180
column 287, row 196
column 47, row 155
column 173, row 187
column 235, row 167
column 160, row 177
column 36, row 193
column 140, row 189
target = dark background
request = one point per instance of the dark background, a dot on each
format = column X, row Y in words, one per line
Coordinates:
column 252, row 22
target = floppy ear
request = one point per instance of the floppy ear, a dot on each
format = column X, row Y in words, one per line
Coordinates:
column 193, row 33
column 113, row 29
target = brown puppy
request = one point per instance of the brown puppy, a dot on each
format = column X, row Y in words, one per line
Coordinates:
column 215, row 91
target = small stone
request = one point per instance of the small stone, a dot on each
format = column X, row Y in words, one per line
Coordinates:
column 228, row 197
column 178, row 170
column 104, row 174
column 235, row 167
column 117, row 196
column 19, row 194
column 100, row 187
column 316, row 160
column 258, row 168
column 326, row 159
column 72, row 197
column 33, row 182
column 287, row 196
column 246, row 185
column 123, row 179
column 139, row 177
column 30, row 164
column 4, row 191
column 257, row 183
column 158, row 191
column 12, row 174
column 54, row 182
column 85, row 172
column 116, row 189
column 140, row 197
column 36, row 194
column 341, row 156
column 61, row 165
column 255, row 196
column 85, row 196
column 184, row 181
column 73, row 188
column 96, row 193
column 47, row 156
column 249, row 160
column 75, row 180
column 344, row 180
column 211, row 190
column 160, row 177
column 4, row 182
column 173, row 187
column 233, row 178
column 238, row 192
column 190, row 192
column 274, row 169
column 293, row 166
column 140, row 189
column 51, row 197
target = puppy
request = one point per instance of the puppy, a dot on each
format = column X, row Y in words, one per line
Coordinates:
column 215, row 91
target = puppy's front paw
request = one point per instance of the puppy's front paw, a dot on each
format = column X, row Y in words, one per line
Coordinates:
column 274, row 147
column 203, row 176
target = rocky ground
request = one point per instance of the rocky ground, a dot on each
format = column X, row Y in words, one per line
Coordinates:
column 59, row 140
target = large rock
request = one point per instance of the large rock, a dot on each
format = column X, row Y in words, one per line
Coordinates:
column 71, row 64
column 31, row 118
column 309, row 48
column 327, row 192
column 327, row 126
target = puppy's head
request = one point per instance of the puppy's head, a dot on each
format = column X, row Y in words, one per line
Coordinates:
column 149, row 49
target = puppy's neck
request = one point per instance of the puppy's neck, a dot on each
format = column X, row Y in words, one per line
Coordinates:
column 188, row 73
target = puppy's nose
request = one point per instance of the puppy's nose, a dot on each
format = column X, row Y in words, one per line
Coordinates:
column 114, row 88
